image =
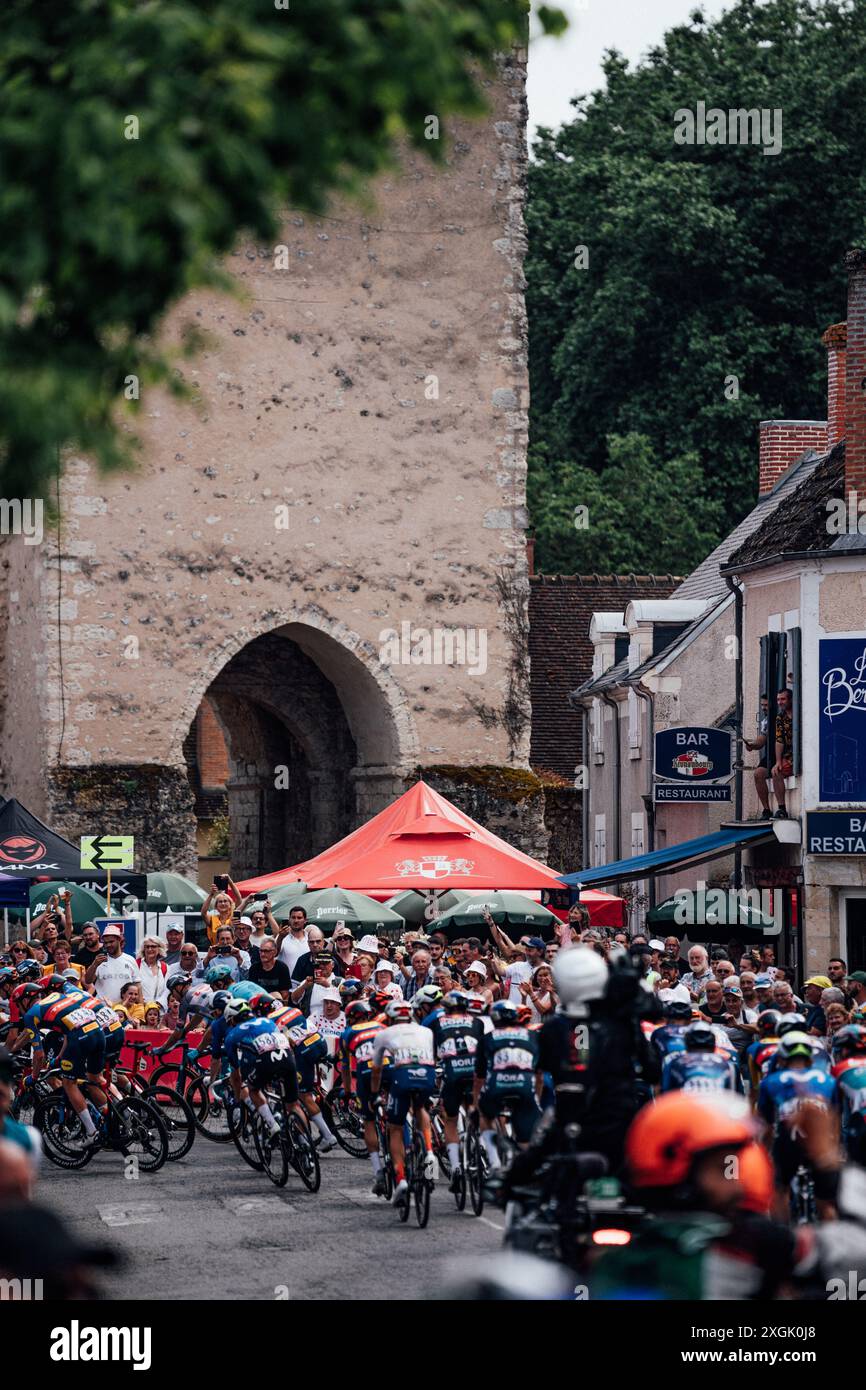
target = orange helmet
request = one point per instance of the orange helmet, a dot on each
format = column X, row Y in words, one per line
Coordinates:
column 524, row 1014
column 756, row 1176
column 666, row 1137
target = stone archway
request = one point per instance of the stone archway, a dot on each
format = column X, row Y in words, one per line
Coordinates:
column 318, row 739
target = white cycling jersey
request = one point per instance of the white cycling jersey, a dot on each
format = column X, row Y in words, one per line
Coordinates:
column 407, row 1045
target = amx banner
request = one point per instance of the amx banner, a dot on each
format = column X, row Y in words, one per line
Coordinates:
column 842, row 719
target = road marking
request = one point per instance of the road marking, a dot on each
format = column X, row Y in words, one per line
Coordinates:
column 488, row 1222
column 140, row 1215
column 248, row 1206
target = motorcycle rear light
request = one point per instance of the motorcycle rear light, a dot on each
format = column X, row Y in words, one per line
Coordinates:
column 611, row 1236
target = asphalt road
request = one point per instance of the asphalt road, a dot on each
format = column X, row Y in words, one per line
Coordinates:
column 209, row 1227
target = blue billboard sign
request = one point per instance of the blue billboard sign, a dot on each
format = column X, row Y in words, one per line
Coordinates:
column 842, row 719
column 836, row 832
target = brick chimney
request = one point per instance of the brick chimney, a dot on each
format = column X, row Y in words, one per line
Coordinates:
column 855, row 375
column 835, row 341
column 783, row 442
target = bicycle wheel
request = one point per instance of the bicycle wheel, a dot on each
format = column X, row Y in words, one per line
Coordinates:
column 475, row 1169
column 404, row 1206
column 421, row 1185
column 63, row 1138
column 177, row 1116
column 440, row 1148
column 242, row 1130
column 211, row 1116
column 347, row 1124
column 304, row 1158
column 137, row 1129
column 272, row 1151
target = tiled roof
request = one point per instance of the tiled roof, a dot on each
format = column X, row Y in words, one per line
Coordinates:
column 706, row 581
column 799, row 522
column 560, row 611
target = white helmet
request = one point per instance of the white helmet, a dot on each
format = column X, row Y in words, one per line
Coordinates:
column 580, row 975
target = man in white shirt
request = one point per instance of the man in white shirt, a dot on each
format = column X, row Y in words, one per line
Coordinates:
column 292, row 938
column 112, row 968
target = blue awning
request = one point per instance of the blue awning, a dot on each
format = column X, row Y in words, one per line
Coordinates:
column 659, row 861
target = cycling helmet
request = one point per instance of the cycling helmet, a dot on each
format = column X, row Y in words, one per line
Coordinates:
column 503, row 1012
column 524, row 1014
column 178, row 979
column 52, row 983
column 29, row 970
column 236, row 1010
column 678, row 1011
column 215, row 973
column 262, row 1004
column 200, row 999
column 380, row 1000
column 244, row 989
column 699, row 1037
column 220, row 999
column 665, row 1138
column 850, row 1041
column 357, row 1010
column 399, row 1011
column 580, row 975
column 350, row 988
column 768, row 1022
column 790, row 1023
column 8, row 975
column 756, row 1177
column 795, row 1044
column 428, row 996
column 456, row 1001
column 476, row 1004
column 23, row 995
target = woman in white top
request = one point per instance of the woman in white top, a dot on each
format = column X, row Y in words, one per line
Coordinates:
column 538, row 993
column 152, row 969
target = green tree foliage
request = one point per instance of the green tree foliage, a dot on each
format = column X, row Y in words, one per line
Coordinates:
column 636, row 514
column 706, row 262
column 243, row 108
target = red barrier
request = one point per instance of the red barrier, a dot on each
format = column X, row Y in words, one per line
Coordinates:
column 145, row 1062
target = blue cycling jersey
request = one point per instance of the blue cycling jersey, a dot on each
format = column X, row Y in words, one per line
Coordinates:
column 780, row 1092
column 668, row 1038
column 698, row 1071
column 247, row 1042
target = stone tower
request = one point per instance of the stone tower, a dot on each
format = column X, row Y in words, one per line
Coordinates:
column 329, row 543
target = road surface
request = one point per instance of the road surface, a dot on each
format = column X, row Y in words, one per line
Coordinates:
column 209, row 1227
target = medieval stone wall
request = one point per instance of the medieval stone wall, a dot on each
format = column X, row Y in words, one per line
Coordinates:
column 353, row 462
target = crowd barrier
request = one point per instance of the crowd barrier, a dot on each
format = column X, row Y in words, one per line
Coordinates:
column 145, row 1062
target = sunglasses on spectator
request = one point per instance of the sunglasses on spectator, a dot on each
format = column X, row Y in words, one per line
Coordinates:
column 19, row 948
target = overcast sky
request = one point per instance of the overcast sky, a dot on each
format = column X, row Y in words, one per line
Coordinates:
column 561, row 68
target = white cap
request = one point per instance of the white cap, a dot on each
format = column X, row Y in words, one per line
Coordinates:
column 656, row 945
column 476, row 968
column 247, row 921
column 112, row 929
column 330, row 996
column 384, row 965
column 369, row 944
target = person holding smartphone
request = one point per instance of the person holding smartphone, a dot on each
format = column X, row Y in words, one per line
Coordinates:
column 220, row 905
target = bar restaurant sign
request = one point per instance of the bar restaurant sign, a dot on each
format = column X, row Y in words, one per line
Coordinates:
column 692, row 763
column 836, row 832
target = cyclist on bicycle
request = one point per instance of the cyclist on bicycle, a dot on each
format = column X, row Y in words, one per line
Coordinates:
column 507, row 1075
column 113, row 1028
column 427, row 1004
column 792, row 1079
column 259, row 1055
column 849, row 1069
column 457, row 1036
column 356, row 1062
column 699, row 1067
column 668, row 1037
column 309, row 1047
column 74, row 1036
column 411, row 1080
column 759, row 1054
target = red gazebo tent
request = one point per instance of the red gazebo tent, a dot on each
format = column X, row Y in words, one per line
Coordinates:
column 421, row 841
